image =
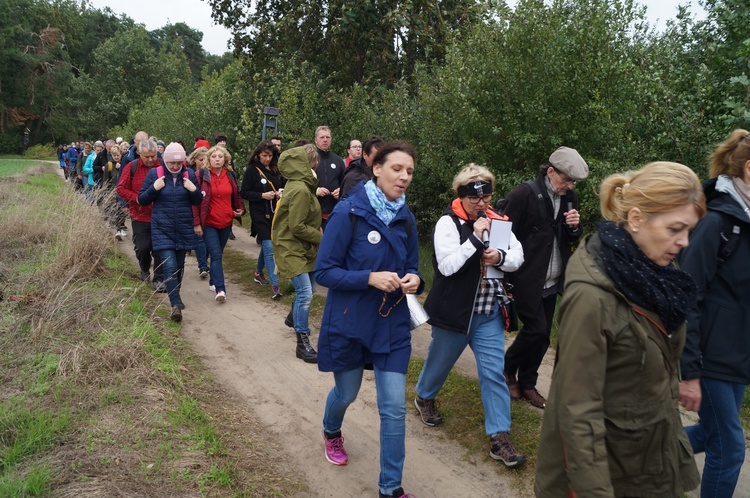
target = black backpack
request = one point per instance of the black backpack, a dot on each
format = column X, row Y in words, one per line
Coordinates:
column 730, row 238
column 501, row 204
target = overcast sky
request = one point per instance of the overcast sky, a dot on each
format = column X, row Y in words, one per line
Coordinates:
column 155, row 14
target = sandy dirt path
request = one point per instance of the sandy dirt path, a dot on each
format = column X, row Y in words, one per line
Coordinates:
column 246, row 346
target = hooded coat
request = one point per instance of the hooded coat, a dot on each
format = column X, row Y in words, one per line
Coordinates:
column 354, row 331
column 295, row 231
column 612, row 426
column 718, row 338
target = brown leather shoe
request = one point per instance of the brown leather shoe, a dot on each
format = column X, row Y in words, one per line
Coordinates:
column 515, row 391
column 534, row 398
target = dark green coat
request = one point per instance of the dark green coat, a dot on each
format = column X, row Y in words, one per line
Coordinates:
column 612, row 425
column 295, row 231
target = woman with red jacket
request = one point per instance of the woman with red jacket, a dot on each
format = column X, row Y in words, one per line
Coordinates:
column 220, row 206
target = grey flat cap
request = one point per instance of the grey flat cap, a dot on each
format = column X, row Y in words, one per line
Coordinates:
column 569, row 162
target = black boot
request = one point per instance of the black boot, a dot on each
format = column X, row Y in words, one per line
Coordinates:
column 289, row 320
column 305, row 351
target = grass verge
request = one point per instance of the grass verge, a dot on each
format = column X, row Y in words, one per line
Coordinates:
column 99, row 393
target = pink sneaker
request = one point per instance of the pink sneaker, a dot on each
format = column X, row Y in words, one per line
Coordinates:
column 335, row 452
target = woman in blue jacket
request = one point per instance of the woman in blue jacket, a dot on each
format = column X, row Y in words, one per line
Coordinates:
column 369, row 260
column 714, row 366
column 173, row 192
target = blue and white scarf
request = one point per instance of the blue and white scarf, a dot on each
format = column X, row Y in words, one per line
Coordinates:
column 385, row 209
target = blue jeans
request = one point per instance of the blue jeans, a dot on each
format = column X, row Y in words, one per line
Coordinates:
column 719, row 434
column 391, row 392
column 173, row 265
column 487, row 340
column 265, row 259
column 201, row 253
column 216, row 239
column 304, row 286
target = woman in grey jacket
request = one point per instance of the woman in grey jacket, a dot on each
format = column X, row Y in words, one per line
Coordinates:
column 715, row 367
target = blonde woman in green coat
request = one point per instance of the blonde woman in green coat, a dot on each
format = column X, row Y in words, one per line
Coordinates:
column 612, row 425
column 296, row 234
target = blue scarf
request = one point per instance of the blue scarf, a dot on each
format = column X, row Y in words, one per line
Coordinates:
column 385, row 209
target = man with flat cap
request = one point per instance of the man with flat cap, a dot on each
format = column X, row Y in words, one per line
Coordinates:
column 545, row 218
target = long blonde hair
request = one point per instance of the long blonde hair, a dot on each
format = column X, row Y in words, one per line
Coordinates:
column 655, row 188
column 730, row 156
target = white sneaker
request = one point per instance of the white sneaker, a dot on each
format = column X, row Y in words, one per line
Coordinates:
column 120, row 235
column 212, row 288
column 221, row 296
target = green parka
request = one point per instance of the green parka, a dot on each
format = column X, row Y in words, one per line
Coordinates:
column 612, row 425
column 295, row 231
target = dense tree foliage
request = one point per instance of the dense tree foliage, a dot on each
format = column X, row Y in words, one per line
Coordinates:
column 465, row 81
column 68, row 70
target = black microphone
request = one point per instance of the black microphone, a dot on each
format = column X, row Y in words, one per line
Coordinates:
column 485, row 233
column 569, row 204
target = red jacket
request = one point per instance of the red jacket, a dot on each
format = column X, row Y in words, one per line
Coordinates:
column 129, row 187
column 204, row 185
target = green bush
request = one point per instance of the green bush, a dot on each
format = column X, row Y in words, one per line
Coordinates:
column 40, row 151
column 10, row 143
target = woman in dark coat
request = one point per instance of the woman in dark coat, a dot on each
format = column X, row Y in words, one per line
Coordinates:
column 714, row 366
column 262, row 186
column 173, row 192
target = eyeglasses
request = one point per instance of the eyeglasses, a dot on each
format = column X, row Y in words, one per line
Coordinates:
column 355, row 147
column 474, row 199
column 565, row 179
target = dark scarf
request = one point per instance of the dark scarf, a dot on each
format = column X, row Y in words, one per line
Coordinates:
column 666, row 290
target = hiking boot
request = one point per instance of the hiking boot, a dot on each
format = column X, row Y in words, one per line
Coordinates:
column 181, row 305
column 305, row 351
column 428, row 412
column 203, row 273
column 176, row 315
column 261, row 279
column 159, row 286
column 221, row 296
column 289, row 320
column 145, row 276
column 515, row 391
column 335, row 452
column 534, row 398
column 502, row 450
column 399, row 493
column 276, row 293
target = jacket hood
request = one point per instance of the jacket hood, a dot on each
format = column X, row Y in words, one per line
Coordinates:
column 722, row 196
column 293, row 165
column 588, row 267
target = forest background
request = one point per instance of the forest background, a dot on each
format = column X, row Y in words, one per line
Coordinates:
column 462, row 80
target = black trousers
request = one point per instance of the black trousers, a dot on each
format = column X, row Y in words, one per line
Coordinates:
column 143, row 251
column 528, row 349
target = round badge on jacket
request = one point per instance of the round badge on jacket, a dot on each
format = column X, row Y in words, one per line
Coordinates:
column 373, row 237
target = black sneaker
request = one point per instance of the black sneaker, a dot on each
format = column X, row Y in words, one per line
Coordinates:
column 428, row 411
column 305, row 351
column 203, row 273
column 145, row 276
column 399, row 493
column 158, row 286
column 502, row 449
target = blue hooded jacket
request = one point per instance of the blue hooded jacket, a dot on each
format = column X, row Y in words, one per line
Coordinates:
column 172, row 221
column 354, row 332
